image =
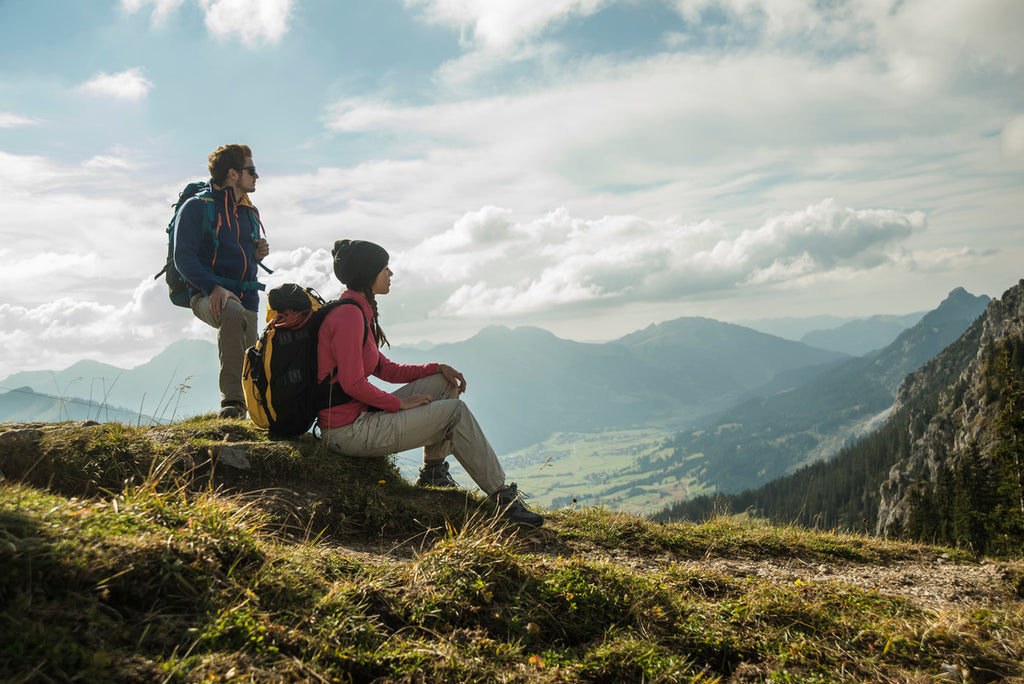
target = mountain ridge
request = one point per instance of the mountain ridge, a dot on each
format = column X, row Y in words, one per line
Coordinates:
column 525, row 383
column 945, row 465
column 770, row 436
column 186, row 370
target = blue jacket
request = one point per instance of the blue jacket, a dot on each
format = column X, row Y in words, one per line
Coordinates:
column 224, row 254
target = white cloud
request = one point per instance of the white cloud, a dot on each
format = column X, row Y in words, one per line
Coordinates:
column 117, row 235
column 946, row 260
column 19, row 174
column 927, row 41
column 8, row 120
column 478, row 66
column 129, row 85
column 558, row 260
column 70, row 328
column 1013, row 137
column 161, row 8
column 305, row 266
column 254, row 21
column 671, row 131
column 920, row 43
column 103, row 161
column 500, row 24
column 47, row 268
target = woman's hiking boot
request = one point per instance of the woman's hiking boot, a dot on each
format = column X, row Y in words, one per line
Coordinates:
column 510, row 502
column 436, row 475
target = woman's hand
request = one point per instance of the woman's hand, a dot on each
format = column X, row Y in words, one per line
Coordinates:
column 453, row 376
column 414, row 400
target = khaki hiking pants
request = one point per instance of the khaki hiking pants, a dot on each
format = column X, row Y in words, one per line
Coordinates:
column 237, row 330
column 444, row 426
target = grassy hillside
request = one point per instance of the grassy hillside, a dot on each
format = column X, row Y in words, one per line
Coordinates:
column 203, row 551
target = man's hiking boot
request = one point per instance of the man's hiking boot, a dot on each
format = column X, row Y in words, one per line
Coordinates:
column 436, row 475
column 232, row 409
column 510, row 502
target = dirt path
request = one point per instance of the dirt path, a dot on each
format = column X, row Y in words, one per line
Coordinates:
column 939, row 585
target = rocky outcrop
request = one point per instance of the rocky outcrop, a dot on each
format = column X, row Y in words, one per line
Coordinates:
column 948, row 409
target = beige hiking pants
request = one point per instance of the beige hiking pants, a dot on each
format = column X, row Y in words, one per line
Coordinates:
column 237, row 330
column 442, row 427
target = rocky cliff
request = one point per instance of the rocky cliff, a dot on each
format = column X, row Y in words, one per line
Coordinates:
column 952, row 405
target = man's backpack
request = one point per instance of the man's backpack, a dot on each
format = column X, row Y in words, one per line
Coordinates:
column 178, row 289
column 279, row 372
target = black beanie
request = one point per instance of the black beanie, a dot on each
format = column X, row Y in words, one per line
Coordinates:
column 358, row 262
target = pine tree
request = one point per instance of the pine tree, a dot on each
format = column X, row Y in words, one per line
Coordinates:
column 1008, row 456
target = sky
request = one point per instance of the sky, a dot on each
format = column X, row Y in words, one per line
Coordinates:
column 586, row 166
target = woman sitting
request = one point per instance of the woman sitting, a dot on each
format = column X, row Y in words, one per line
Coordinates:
column 425, row 412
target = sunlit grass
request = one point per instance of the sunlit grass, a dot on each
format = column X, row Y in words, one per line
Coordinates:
column 129, row 554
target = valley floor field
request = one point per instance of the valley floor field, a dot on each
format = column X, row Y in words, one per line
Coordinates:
column 590, row 469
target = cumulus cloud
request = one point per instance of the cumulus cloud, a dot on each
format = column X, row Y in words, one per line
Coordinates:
column 129, row 85
column 310, row 267
column 69, row 328
column 558, row 260
column 128, row 331
column 116, row 238
column 254, row 21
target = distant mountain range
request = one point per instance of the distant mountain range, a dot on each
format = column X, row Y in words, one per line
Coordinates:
column 862, row 336
column 23, row 405
column 526, row 384
column 769, row 436
column 945, row 467
column 854, row 336
column 180, row 381
column 784, row 398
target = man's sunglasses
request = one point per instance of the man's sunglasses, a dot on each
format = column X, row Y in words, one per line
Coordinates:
column 250, row 169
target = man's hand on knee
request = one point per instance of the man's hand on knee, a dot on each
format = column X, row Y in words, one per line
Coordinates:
column 219, row 298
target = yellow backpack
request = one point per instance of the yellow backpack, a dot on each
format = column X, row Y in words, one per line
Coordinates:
column 279, row 373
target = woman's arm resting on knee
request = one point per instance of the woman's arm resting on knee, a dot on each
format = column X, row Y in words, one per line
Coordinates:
column 414, row 401
column 453, row 376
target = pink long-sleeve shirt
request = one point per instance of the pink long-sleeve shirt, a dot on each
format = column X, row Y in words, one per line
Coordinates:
column 340, row 345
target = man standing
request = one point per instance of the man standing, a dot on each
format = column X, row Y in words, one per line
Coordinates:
column 217, row 252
